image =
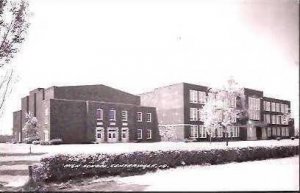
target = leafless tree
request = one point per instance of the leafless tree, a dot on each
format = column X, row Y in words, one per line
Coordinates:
column 14, row 24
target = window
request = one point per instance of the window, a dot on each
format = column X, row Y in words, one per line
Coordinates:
column 287, row 131
column 193, row 114
column 194, row 131
column 149, row 134
column 277, row 107
column 278, row 131
column 273, row 131
column 202, row 97
column 124, row 115
column 269, row 132
column 267, row 106
column 273, row 107
column 139, row 116
column 112, row 115
column 140, row 134
column 220, row 132
column 268, row 119
column 202, row 131
column 233, row 102
column 278, row 119
column 193, row 96
column 282, row 107
column 99, row 114
column 283, row 131
column 235, row 131
column 254, row 108
column 286, row 109
column 124, row 133
column 148, row 117
column 273, row 119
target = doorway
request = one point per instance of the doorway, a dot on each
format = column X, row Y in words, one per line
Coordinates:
column 112, row 134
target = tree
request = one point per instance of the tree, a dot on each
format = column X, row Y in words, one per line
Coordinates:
column 30, row 128
column 223, row 107
column 13, row 28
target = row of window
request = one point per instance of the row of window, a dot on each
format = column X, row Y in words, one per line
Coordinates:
column 124, row 115
column 195, row 115
column 276, row 107
column 200, row 97
column 198, row 131
column 254, row 103
column 112, row 133
column 278, row 131
column 275, row 119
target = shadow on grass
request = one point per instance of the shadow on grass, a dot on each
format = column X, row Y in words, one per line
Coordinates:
column 19, row 154
column 18, row 162
column 14, row 172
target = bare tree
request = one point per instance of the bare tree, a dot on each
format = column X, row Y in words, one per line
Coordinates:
column 13, row 28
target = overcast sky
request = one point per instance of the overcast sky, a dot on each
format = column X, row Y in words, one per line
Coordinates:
column 139, row 45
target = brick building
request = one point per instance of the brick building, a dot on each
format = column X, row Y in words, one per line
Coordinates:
column 83, row 114
column 178, row 109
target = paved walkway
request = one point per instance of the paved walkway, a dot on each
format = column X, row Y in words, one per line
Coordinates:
column 14, row 170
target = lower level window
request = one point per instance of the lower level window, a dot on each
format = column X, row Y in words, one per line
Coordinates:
column 140, row 134
column 194, row 131
column 287, row 131
column 220, row 132
column 278, row 131
column 149, row 134
column 202, row 131
column 269, row 132
column 273, row 131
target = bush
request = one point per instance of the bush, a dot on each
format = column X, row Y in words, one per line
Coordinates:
column 292, row 138
column 278, row 138
column 44, row 143
column 36, row 142
column 29, row 140
column 62, row 167
column 55, row 141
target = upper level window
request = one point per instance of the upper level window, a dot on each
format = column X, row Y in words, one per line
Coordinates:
column 139, row 116
column 149, row 117
column 99, row 114
column 273, row 119
column 286, row 109
column 277, row 107
column 193, row 96
column 112, row 115
column 278, row 119
column 202, row 97
column 282, row 108
column 124, row 115
column 273, row 107
column 233, row 102
column 267, row 105
column 193, row 114
column 254, row 103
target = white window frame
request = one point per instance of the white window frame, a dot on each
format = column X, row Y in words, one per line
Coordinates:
column 194, row 130
column 273, row 107
column 268, row 105
column 278, row 131
column 278, row 119
column 149, row 134
column 114, row 115
column 193, row 114
column 139, row 116
column 193, row 96
column 282, row 108
column 101, row 114
column 273, row 117
column 202, row 131
column 277, row 107
column 201, row 97
column 124, row 115
column 286, row 109
column 139, row 134
column 269, row 132
column 149, row 117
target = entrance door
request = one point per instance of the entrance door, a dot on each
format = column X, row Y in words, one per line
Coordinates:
column 258, row 133
column 112, row 134
column 125, row 135
column 99, row 134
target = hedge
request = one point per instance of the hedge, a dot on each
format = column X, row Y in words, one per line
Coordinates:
column 62, row 167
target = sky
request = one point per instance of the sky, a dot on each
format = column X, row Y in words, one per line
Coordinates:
column 137, row 46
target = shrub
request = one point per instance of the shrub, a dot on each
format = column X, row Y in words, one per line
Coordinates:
column 55, row 141
column 36, row 142
column 278, row 138
column 44, row 143
column 62, row 167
